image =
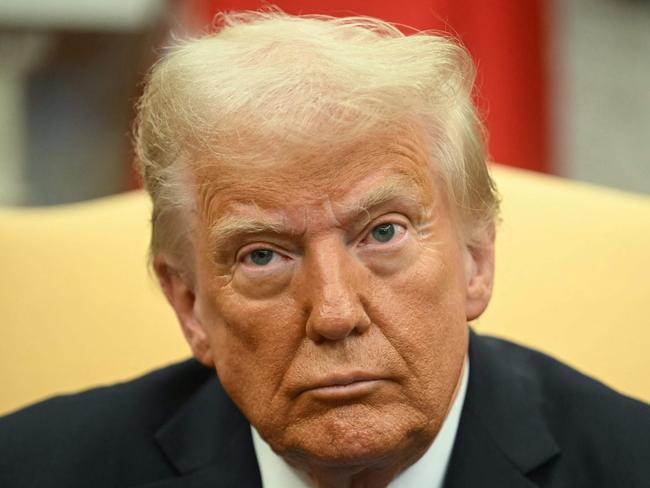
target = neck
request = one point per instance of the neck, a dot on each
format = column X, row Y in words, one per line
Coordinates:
column 378, row 475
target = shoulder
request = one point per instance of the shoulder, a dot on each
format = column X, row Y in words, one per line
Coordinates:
column 555, row 384
column 95, row 430
column 595, row 427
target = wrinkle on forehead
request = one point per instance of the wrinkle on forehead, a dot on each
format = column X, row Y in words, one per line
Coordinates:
column 341, row 194
column 278, row 163
column 235, row 198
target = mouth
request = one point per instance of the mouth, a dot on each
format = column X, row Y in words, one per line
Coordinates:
column 344, row 386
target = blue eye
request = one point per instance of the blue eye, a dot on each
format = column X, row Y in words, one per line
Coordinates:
column 383, row 232
column 261, row 257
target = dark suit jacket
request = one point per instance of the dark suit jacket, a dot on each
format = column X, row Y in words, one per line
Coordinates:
column 527, row 421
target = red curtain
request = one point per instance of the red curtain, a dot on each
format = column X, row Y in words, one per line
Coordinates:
column 506, row 38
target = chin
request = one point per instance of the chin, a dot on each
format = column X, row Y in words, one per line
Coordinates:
column 356, row 435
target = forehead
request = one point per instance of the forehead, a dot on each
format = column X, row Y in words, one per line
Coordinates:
column 294, row 179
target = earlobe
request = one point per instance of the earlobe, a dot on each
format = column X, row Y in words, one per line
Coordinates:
column 178, row 288
column 479, row 273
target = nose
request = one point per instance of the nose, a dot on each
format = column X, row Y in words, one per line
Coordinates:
column 333, row 284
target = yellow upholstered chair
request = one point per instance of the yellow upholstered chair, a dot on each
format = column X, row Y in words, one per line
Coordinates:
column 80, row 309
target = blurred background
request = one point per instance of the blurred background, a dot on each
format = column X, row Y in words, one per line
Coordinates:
column 563, row 85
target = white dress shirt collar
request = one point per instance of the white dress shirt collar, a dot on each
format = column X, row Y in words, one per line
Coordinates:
column 429, row 470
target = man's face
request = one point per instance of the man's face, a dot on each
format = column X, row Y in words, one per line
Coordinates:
column 332, row 295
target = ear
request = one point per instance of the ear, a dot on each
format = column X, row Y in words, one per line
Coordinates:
column 178, row 287
column 479, row 274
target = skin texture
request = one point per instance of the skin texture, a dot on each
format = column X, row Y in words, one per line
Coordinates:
column 334, row 304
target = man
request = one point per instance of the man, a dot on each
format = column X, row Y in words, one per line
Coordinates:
column 323, row 226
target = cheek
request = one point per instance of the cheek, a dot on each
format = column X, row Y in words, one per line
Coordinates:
column 422, row 314
column 253, row 343
column 430, row 289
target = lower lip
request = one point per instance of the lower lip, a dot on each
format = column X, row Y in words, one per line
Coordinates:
column 345, row 392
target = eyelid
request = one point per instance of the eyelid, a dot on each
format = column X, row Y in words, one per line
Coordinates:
column 390, row 218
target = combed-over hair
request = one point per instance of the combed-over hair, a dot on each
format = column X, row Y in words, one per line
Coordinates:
column 267, row 84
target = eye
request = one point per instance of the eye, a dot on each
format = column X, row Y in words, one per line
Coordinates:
column 260, row 257
column 386, row 235
column 384, row 232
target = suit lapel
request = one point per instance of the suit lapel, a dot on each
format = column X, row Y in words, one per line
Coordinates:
column 502, row 436
column 209, row 443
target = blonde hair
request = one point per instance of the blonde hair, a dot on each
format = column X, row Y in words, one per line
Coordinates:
column 268, row 83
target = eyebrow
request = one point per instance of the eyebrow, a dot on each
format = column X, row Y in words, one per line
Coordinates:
column 392, row 188
column 224, row 229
